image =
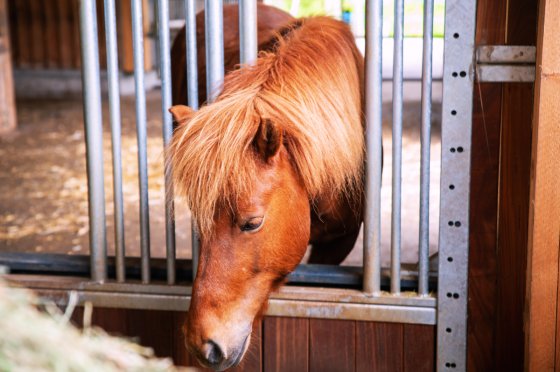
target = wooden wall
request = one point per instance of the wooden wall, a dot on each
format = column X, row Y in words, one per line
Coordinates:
column 501, row 158
column 289, row 344
column 45, row 34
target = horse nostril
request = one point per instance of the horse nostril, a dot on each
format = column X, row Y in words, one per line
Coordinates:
column 212, row 353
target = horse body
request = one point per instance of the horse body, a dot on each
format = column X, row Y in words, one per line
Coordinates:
column 275, row 163
column 269, row 19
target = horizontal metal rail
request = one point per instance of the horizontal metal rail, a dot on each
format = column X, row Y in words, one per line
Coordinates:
column 301, row 302
column 306, row 274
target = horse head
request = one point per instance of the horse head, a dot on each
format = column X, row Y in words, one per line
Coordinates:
column 247, row 251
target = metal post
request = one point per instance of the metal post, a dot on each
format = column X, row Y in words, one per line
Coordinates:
column 456, row 133
column 397, row 147
column 424, row 228
column 192, row 98
column 115, row 117
column 372, row 212
column 214, row 26
column 138, row 50
column 248, row 31
column 167, row 128
column 94, row 139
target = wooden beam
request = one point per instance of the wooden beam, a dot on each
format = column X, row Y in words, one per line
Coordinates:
column 7, row 100
column 541, row 323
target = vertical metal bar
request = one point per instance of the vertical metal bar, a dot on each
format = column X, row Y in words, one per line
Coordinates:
column 372, row 212
column 167, row 128
column 94, row 139
column 397, row 148
column 192, row 98
column 424, row 228
column 213, row 19
column 115, row 118
column 214, row 25
column 191, row 58
column 456, row 134
column 248, row 31
column 138, row 50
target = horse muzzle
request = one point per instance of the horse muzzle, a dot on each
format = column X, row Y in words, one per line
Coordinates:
column 214, row 355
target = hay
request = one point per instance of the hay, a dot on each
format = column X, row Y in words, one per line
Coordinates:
column 34, row 340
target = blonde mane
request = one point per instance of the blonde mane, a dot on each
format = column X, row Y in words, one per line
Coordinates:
column 310, row 87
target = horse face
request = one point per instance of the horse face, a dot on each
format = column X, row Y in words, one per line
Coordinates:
column 248, row 254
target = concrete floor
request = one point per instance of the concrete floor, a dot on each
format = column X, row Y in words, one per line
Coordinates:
column 43, row 184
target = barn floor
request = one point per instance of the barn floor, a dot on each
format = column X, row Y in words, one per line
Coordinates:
column 43, row 184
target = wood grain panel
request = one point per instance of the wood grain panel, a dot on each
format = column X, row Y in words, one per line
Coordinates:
column 543, row 273
column 379, row 347
column 515, row 165
column 332, row 345
column 419, row 348
column 37, row 28
column 483, row 227
column 24, row 36
column 286, row 344
column 153, row 329
column 51, row 34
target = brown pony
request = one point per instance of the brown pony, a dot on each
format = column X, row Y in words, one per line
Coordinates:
column 275, row 164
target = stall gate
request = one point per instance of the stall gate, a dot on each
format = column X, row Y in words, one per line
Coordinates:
column 383, row 296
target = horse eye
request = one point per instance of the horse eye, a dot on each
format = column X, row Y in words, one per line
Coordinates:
column 252, row 224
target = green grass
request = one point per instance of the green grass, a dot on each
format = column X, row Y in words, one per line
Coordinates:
column 413, row 13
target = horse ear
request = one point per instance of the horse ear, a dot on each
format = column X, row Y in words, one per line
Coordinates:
column 181, row 114
column 268, row 139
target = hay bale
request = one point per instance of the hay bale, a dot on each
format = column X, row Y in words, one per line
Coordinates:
column 34, row 340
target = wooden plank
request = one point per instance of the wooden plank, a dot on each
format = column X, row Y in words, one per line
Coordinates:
column 64, row 33
column 124, row 23
column 332, row 345
column 153, row 329
column 379, row 347
column 419, row 348
column 541, row 322
column 490, row 26
column 483, row 229
column 286, row 344
column 24, row 37
column 50, row 34
column 8, row 119
column 126, row 57
column 37, row 44
column 515, row 163
column 101, row 34
column 75, row 32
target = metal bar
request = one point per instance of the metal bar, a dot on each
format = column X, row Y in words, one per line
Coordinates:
column 138, row 50
column 191, row 58
column 167, row 128
column 508, row 54
column 334, row 295
column 94, row 139
column 505, row 73
column 425, row 142
column 192, row 98
column 456, row 133
column 248, row 31
column 115, row 118
column 372, row 212
column 214, row 26
column 397, row 147
column 276, row 307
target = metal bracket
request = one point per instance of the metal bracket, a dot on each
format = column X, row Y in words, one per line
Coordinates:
column 504, row 63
